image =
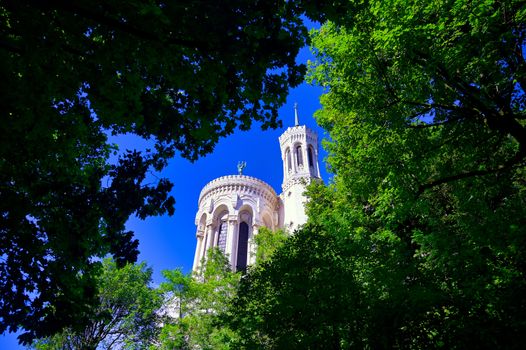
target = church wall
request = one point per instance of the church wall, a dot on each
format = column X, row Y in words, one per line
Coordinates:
column 294, row 206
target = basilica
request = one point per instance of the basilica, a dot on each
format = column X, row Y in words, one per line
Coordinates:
column 232, row 208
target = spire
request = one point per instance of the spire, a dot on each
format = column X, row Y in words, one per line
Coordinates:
column 296, row 119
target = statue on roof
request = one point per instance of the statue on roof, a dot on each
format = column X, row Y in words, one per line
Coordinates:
column 241, row 166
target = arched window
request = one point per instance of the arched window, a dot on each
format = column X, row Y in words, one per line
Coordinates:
column 287, row 156
column 242, row 247
column 310, row 156
column 299, row 155
column 221, row 239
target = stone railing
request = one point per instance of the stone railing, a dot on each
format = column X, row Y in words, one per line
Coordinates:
column 238, row 184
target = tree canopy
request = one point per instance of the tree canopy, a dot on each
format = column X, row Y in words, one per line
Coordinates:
column 453, row 68
column 127, row 315
column 198, row 304
column 301, row 298
column 419, row 241
column 267, row 242
column 180, row 73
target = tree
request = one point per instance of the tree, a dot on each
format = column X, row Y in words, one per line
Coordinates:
column 424, row 223
column 453, row 69
column 267, row 242
column 180, row 74
column 301, row 298
column 125, row 318
column 199, row 303
column 425, row 106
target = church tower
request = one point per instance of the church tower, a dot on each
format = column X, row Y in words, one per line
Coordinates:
column 299, row 152
column 232, row 208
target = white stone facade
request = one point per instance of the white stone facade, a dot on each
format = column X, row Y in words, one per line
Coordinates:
column 299, row 152
column 232, row 208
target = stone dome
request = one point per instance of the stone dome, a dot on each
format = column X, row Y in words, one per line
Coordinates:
column 232, row 188
column 231, row 208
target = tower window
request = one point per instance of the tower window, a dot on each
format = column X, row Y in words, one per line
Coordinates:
column 310, row 156
column 287, row 155
column 299, row 155
column 242, row 247
column 221, row 240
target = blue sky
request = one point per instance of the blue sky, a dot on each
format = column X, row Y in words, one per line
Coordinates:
column 169, row 242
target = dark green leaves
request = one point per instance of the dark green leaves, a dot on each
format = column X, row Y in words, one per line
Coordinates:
column 182, row 74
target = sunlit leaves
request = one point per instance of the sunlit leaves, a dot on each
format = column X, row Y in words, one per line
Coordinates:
column 126, row 315
column 424, row 221
column 198, row 304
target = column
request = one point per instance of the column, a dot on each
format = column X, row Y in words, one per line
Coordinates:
column 210, row 234
column 197, row 257
column 284, row 160
column 315, row 160
column 205, row 244
column 304, row 150
column 216, row 235
column 294, row 155
column 252, row 247
column 230, row 240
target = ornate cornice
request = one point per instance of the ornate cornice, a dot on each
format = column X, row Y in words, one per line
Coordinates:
column 238, row 184
column 298, row 179
column 297, row 133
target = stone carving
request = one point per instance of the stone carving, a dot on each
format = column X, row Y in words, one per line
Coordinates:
column 238, row 184
column 235, row 200
column 210, row 206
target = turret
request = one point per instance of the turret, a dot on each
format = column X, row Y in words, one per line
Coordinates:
column 299, row 152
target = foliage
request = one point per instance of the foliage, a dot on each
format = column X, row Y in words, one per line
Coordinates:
column 419, row 242
column 267, row 241
column 200, row 302
column 180, row 74
column 299, row 299
column 425, row 106
column 447, row 276
column 125, row 318
column 446, row 74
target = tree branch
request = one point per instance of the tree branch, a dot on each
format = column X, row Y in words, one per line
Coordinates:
column 515, row 160
column 496, row 120
column 101, row 18
column 10, row 47
column 434, row 105
column 431, row 125
column 418, row 114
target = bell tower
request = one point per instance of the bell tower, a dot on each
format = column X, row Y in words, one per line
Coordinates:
column 299, row 152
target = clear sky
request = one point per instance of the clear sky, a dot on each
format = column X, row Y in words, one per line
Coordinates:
column 169, row 242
